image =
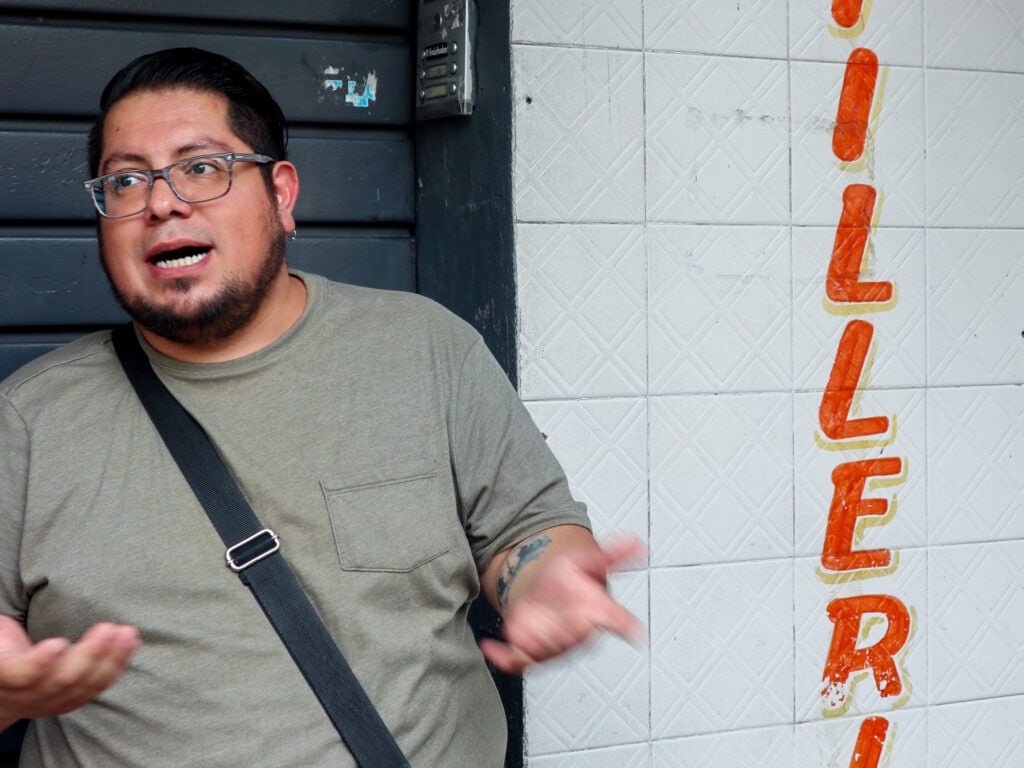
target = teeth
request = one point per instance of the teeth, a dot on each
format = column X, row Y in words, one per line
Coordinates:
column 184, row 261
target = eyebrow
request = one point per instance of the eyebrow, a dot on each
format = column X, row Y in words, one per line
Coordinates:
column 202, row 146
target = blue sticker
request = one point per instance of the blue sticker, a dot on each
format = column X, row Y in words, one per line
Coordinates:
column 361, row 99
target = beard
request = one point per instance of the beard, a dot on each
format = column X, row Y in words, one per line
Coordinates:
column 212, row 320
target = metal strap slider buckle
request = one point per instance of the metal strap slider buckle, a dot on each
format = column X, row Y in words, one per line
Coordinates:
column 254, row 550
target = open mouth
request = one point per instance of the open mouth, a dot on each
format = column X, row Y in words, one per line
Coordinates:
column 181, row 257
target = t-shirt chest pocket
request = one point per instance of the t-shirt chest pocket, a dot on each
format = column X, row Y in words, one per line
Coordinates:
column 389, row 520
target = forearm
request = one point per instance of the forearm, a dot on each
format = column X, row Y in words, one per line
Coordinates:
column 511, row 572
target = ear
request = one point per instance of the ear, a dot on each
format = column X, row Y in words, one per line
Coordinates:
column 286, row 193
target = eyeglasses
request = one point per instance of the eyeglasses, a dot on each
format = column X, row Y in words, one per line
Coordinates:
column 192, row 180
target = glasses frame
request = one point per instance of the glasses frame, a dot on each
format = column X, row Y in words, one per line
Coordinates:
column 95, row 186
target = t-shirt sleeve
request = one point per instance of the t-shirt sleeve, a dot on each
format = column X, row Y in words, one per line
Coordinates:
column 13, row 482
column 510, row 485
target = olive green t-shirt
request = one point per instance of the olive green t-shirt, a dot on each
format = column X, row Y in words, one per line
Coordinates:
column 383, row 444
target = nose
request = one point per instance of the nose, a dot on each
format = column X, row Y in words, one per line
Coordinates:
column 163, row 203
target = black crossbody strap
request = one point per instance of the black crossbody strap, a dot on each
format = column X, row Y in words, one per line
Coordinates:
column 254, row 553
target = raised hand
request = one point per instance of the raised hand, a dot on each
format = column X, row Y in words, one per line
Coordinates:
column 54, row 675
column 552, row 592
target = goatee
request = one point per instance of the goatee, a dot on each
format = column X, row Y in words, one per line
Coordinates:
column 215, row 319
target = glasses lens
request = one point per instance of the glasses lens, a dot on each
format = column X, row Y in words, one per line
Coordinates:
column 201, row 178
column 121, row 194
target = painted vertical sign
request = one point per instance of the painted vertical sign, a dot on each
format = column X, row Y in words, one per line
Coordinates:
column 849, row 658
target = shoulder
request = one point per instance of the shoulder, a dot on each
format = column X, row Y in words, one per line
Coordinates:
column 88, row 362
column 394, row 317
column 392, row 306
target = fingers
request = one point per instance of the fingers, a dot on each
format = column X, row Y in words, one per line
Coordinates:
column 89, row 666
column 621, row 622
column 542, row 635
column 54, row 676
column 613, row 555
column 506, row 658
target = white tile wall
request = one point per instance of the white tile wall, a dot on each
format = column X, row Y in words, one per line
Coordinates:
column 975, row 326
column 635, row 756
column 579, row 135
column 721, row 647
column 744, row 28
column 763, row 747
column 976, row 598
column 716, row 140
column 977, row 734
column 719, row 308
column 677, row 199
column 601, row 23
column 721, row 479
column 976, row 488
column 602, row 444
column 583, row 319
column 975, row 149
column 981, row 35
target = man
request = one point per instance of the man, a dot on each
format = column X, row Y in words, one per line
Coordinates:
column 370, row 430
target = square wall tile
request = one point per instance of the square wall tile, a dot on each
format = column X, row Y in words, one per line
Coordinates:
column 975, row 444
column 904, row 523
column 975, row 321
column 594, row 696
column 602, row 23
column 719, row 308
column 579, row 153
column 582, row 306
column 891, row 30
column 633, row 756
column 721, row 648
column 721, row 479
column 744, row 28
column 602, row 445
column 763, row 747
column 717, row 140
column 977, row 734
column 896, row 256
column 832, row 743
column 893, row 160
column 975, row 149
column 979, row 35
column 904, row 591
column 976, row 622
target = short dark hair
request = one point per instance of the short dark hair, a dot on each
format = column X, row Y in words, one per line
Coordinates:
column 253, row 115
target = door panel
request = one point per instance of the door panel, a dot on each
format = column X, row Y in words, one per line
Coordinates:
column 349, row 177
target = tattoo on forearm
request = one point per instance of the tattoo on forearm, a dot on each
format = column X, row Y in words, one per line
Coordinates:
column 526, row 552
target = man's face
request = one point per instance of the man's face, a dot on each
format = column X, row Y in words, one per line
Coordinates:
column 191, row 272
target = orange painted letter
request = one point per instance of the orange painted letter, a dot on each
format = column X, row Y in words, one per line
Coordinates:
column 846, row 12
column 845, row 658
column 870, row 741
column 847, row 505
column 836, row 401
column 842, row 284
column 851, row 131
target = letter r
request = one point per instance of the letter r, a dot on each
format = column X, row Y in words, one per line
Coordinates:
column 845, row 658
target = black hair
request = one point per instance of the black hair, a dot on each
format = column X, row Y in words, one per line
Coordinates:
column 253, row 115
